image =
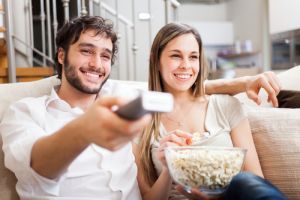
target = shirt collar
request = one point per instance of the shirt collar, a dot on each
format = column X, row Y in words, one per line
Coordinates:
column 55, row 101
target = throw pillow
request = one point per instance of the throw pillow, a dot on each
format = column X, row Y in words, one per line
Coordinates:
column 289, row 99
column 276, row 134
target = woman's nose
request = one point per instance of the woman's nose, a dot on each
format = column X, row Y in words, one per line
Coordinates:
column 185, row 64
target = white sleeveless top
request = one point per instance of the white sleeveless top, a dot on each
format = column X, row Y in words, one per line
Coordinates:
column 224, row 112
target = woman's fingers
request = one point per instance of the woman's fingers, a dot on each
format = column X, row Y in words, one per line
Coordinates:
column 178, row 137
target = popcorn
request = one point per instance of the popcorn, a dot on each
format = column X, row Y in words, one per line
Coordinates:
column 206, row 168
column 197, row 138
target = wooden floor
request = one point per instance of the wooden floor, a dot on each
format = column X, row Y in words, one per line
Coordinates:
column 27, row 74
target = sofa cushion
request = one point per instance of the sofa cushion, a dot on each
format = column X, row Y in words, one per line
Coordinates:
column 8, row 94
column 276, row 134
column 7, row 180
column 11, row 92
column 290, row 79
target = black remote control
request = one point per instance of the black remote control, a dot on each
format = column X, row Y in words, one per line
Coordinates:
column 146, row 102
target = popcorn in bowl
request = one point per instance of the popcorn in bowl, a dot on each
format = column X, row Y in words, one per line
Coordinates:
column 197, row 138
column 208, row 168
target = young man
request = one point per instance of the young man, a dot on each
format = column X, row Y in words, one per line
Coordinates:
column 70, row 144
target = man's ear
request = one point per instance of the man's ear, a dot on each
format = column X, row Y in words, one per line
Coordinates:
column 61, row 56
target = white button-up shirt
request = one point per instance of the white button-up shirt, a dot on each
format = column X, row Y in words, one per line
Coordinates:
column 95, row 174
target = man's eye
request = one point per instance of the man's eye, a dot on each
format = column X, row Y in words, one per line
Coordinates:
column 86, row 52
column 106, row 57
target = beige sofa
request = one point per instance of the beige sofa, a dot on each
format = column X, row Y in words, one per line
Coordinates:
column 276, row 133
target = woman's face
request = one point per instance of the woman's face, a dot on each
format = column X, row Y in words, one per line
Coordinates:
column 179, row 63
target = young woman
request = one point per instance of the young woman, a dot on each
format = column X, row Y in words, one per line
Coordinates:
column 177, row 66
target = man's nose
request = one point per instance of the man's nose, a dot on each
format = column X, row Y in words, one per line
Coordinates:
column 95, row 61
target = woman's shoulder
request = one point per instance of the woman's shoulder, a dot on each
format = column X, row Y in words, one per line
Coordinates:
column 223, row 99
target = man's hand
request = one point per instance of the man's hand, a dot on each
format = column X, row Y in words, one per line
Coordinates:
column 249, row 84
column 98, row 125
column 268, row 81
column 106, row 129
column 196, row 194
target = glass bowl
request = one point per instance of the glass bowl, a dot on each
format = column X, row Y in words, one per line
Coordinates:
column 207, row 168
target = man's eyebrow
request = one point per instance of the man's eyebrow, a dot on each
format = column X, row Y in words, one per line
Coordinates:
column 85, row 44
column 108, row 51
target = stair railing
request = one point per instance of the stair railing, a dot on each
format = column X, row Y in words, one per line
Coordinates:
column 10, row 44
column 48, row 20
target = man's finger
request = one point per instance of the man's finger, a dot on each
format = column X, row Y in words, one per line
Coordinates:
column 274, row 100
column 267, row 87
column 139, row 124
column 274, row 82
column 270, row 91
column 254, row 96
column 111, row 101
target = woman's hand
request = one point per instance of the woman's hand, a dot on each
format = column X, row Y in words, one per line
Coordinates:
column 196, row 194
column 174, row 138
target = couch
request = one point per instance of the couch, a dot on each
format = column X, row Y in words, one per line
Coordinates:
column 276, row 132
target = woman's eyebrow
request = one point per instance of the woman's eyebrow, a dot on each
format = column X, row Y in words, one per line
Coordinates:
column 178, row 51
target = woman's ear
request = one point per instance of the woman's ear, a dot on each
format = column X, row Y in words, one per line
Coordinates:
column 61, row 56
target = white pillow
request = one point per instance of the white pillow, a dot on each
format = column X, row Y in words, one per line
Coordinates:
column 276, row 133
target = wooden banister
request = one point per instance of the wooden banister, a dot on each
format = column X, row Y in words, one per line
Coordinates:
column 2, row 29
column 27, row 74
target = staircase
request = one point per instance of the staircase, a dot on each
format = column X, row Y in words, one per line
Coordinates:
column 22, row 74
column 32, row 41
column 3, row 55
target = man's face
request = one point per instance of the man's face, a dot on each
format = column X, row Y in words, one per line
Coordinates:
column 87, row 64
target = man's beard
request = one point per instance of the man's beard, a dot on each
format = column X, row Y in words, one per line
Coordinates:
column 74, row 80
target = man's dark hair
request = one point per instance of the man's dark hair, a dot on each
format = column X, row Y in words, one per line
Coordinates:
column 70, row 32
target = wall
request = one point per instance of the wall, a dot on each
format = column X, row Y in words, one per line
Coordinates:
column 203, row 17
column 250, row 22
column 249, row 18
column 144, row 31
column 197, row 12
column 284, row 15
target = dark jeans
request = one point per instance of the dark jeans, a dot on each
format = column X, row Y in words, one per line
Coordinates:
column 247, row 186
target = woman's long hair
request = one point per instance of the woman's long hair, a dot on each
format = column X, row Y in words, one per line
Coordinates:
column 163, row 37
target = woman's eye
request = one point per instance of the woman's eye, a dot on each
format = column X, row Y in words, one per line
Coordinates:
column 175, row 56
column 194, row 57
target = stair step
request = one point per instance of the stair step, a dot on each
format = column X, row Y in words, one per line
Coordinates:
column 2, row 29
